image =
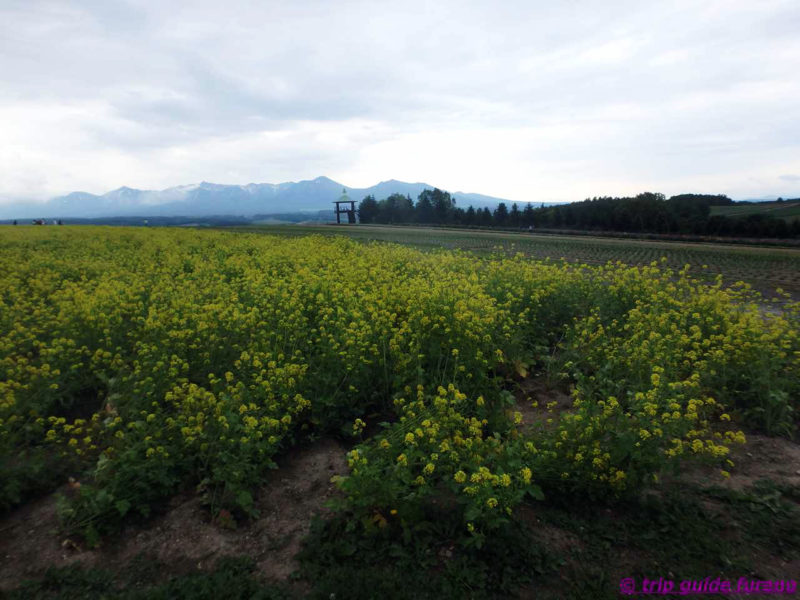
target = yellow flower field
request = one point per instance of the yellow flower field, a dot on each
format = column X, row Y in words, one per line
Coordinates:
column 144, row 362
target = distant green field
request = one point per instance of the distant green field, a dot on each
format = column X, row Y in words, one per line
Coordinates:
column 788, row 211
column 766, row 269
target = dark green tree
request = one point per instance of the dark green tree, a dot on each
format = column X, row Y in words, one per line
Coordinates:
column 469, row 216
column 527, row 215
column 368, row 210
column 397, row 208
column 424, row 208
column 501, row 215
column 442, row 203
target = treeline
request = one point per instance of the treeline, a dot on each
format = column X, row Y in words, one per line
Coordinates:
column 654, row 213
column 437, row 207
column 645, row 213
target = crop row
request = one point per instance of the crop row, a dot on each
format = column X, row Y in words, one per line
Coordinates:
column 765, row 269
column 145, row 362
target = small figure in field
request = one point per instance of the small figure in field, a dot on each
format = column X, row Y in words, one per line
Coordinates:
column 60, row 222
column 15, row 221
column 530, row 228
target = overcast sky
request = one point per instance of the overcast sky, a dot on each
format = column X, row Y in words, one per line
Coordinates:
column 539, row 101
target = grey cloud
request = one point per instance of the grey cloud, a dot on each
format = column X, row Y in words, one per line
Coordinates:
column 704, row 85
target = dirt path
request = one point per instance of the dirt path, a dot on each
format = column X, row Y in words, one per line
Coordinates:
column 183, row 538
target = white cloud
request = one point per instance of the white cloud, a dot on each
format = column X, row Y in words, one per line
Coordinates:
column 529, row 101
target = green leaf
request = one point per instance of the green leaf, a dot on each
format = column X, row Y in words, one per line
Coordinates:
column 536, row 492
column 123, row 506
column 472, row 512
column 244, row 499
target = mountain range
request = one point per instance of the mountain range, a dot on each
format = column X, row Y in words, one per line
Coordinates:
column 206, row 199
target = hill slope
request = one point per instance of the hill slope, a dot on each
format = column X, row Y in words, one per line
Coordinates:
column 206, row 199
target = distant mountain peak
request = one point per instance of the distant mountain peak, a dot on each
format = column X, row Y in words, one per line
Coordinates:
column 206, row 198
column 78, row 195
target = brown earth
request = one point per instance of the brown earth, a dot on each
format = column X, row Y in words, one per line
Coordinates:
column 550, row 403
column 184, row 538
column 761, row 457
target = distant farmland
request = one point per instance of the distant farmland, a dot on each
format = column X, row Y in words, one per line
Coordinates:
column 789, row 210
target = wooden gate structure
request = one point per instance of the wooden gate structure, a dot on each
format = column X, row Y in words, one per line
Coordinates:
column 342, row 209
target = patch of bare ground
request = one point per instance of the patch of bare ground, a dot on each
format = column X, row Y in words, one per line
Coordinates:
column 572, row 551
column 769, row 566
column 553, row 538
column 550, row 403
column 184, row 538
column 771, row 309
column 761, row 457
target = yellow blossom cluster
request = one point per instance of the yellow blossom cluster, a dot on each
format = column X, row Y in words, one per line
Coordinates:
column 434, row 445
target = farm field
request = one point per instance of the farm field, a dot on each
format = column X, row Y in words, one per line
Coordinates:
column 788, row 211
column 766, row 269
column 191, row 413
